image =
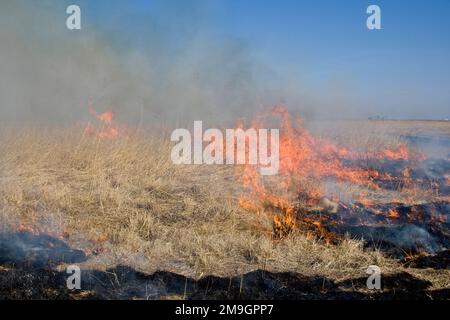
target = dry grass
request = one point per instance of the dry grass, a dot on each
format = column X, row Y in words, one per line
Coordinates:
column 127, row 196
column 369, row 135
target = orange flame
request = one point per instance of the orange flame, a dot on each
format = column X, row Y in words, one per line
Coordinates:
column 393, row 214
column 106, row 117
column 305, row 163
column 108, row 128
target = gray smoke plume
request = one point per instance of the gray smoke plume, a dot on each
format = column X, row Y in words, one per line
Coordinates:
column 165, row 70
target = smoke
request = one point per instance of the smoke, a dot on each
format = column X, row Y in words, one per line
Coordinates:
column 165, row 69
column 165, row 62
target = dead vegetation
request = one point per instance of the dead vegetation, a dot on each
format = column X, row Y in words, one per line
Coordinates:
column 123, row 202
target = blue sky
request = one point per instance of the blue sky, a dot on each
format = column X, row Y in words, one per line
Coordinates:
column 403, row 69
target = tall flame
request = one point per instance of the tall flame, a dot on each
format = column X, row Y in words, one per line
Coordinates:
column 305, row 162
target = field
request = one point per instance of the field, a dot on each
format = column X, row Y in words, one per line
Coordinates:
column 141, row 227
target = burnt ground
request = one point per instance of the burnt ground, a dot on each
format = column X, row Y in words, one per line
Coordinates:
column 399, row 229
column 26, row 275
column 417, row 228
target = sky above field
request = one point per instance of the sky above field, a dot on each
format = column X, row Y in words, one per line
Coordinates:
column 320, row 53
column 323, row 45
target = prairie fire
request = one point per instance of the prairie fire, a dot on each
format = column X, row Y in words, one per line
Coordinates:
column 316, row 173
column 115, row 201
column 102, row 197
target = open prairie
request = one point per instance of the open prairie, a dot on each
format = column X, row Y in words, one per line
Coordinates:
column 355, row 194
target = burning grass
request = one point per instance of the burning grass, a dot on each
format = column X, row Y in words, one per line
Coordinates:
column 122, row 201
column 315, row 171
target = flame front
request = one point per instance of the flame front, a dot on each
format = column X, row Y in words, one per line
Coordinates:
column 306, row 162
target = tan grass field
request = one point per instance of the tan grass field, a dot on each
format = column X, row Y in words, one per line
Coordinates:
column 130, row 205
